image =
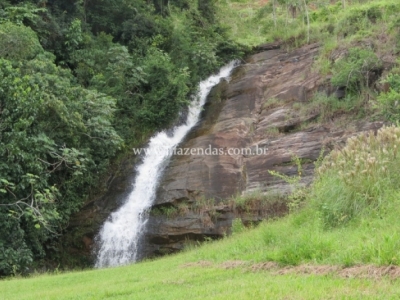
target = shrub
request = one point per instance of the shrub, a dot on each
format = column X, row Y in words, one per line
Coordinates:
column 299, row 192
column 357, row 178
column 328, row 106
column 357, row 70
column 389, row 101
column 268, row 203
column 237, row 226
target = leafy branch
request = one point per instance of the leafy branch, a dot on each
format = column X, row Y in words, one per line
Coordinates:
column 32, row 206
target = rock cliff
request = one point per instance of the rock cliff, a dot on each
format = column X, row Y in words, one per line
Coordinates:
column 260, row 108
column 263, row 106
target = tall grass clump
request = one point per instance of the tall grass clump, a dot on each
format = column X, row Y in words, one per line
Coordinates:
column 357, row 179
column 388, row 101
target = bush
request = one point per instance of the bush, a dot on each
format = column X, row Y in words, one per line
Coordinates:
column 237, row 226
column 389, row 101
column 358, row 69
column 358, row 178
column 268, row 203
column 15, row 256
column 329, row 106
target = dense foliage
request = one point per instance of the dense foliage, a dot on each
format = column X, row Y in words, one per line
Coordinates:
column 80, row 82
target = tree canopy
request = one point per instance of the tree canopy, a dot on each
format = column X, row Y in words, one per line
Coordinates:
column 80, row 82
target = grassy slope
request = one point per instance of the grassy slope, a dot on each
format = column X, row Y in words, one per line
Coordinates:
column 211, row 270
column 154, row 281
column 301, row 238
column 295, row 238
column 240, row 18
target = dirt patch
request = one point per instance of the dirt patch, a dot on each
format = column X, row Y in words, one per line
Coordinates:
column 369, row 271
column 230, row 264
column 302, row 269
column 360, row 271
column 201, row 263
column 309, row 269
column 233, row 264
column 265, row 266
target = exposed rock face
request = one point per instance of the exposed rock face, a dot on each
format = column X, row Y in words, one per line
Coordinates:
column 262, row 107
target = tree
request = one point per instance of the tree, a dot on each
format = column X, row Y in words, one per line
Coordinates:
column 53, row 135
column 18, row 42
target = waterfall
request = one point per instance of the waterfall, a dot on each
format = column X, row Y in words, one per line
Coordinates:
column 118, row 238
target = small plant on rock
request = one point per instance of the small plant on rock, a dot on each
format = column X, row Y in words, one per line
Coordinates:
column 357, row 70
column 299, row 192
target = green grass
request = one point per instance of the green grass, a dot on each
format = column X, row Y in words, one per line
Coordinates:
column 348, row 218
column 296, row 239
column 169, row 280
column 239, row 17
column 302, row 239
column 252, row 22
column 344, row 221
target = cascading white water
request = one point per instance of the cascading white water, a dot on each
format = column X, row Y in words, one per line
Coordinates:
column 119, row 236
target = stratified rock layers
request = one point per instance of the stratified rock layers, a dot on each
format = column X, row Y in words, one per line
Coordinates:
column 265, row 105
column 260, row 108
